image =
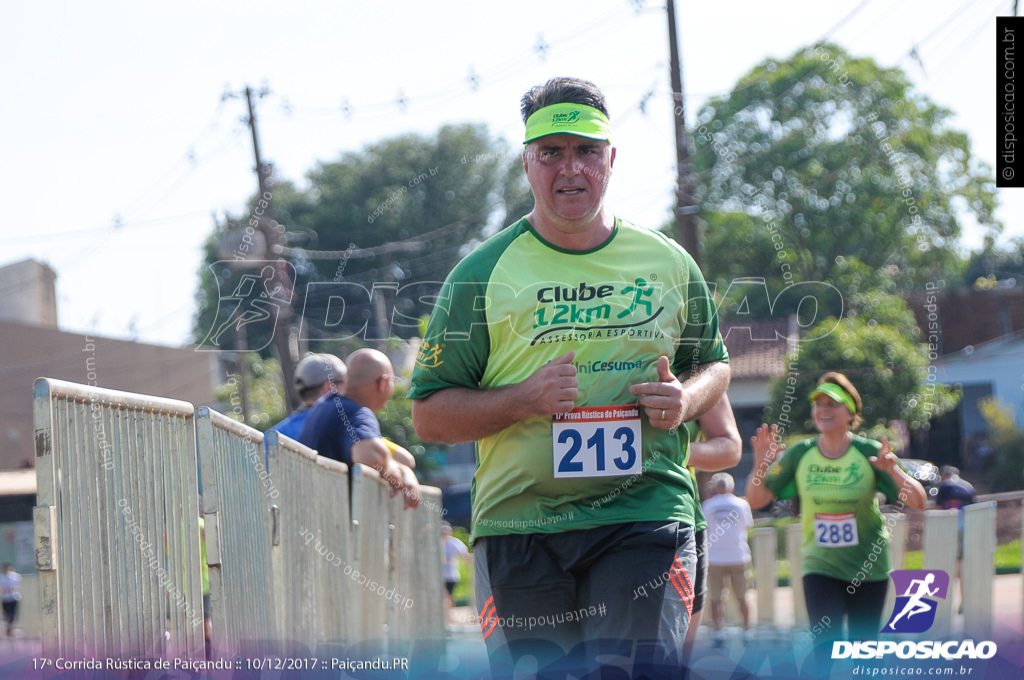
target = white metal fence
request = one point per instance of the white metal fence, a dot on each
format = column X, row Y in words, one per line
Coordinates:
column 290, row 565
column 414, row 543
column 116, row 523
column 237, row 518
column 371, row 541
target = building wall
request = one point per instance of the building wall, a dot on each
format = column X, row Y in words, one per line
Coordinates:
column 1002, row 369
column 31, row 352
column 749, row 392
column 28, row 294
column 958, row 318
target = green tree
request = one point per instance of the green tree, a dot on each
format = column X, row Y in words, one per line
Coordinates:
column 828, row 166
column 265, row 396
column 994, row 264
column 1007, row 440
column 401, row 212
column 877, row 347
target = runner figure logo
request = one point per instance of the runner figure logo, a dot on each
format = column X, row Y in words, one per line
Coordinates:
column 253, row 299
column 914, row 611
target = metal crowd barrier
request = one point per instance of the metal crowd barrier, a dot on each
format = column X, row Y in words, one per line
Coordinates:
column 979, row 569
column 940, row 530
column 794, row 538
column 897, row 525
column 764, row 552
column 237, row 497
column 116, row 524
column 371, row 544
column 293, row 468
column 337, row 615
column 416, row 541
column 290, row 567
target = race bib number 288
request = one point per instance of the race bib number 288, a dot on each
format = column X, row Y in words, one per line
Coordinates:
column 597, row 441
column 835, row 530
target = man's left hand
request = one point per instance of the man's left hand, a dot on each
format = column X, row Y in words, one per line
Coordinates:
column 663, row 401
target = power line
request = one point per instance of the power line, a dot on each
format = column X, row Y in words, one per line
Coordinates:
column 935, row 31
column 856, row 10
column 190, row 157
column 463, row 87
column 119, row 227
column 957, row 51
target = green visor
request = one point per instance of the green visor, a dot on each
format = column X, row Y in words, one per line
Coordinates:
column 836, row 393
column 570, row 119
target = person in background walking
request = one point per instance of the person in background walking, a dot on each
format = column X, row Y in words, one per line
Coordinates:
column 715, row 445
column 454, row 550
column 10, row 593
column 729, row 518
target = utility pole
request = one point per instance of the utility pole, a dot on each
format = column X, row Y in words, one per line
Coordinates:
column 686, row 208
column 272, row 232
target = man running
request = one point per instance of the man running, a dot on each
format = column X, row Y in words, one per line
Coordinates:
column 538, row 350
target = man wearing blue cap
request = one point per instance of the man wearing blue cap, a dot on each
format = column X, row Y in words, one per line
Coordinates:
column 571, row 346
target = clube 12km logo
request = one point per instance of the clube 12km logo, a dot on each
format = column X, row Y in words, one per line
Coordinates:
column 918, row 592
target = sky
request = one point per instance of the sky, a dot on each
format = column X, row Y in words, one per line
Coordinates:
column 123, row 137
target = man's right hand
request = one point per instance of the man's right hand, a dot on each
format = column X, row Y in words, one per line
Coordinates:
column 462, row 414
column 552, row 388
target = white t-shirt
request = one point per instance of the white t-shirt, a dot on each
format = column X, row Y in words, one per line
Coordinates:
column 728, row 519
column 453, row 549
column 10, row 585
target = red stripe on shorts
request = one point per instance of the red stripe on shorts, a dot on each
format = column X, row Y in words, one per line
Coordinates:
column 681, row 580
column 488, row 617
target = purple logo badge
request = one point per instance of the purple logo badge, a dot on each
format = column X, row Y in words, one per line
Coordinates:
column 917, row 594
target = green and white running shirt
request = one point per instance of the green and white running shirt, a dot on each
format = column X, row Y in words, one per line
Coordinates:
column 518, row 302
column 844, row 532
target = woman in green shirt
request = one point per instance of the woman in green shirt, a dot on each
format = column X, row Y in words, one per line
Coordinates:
column 845, row 551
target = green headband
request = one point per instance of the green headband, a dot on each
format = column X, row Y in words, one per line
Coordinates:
column 837, row 393
column 571, row 119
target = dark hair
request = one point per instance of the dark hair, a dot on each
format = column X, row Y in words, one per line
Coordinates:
column 842, row 381
column 307, row 393
column 562, row 91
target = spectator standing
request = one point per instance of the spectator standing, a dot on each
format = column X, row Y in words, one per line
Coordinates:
column 454, row 550
column 344, row 428
column 729, row 518
column 955, row 493
column 315, row 376
column 10, row 593
column 715, row 445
